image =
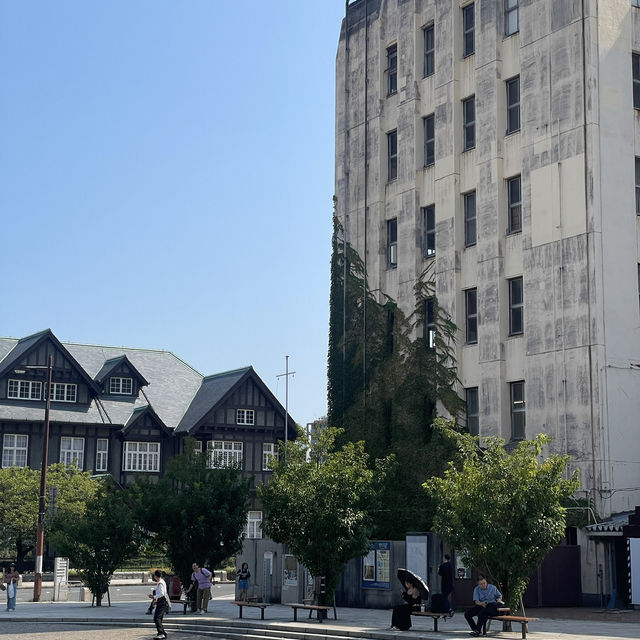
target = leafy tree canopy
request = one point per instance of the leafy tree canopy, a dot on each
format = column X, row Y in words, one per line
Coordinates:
column 387, row 378
column 196, row 511
column 320, row 502
column 19, row 497
column 502, row 510
column 99, row 539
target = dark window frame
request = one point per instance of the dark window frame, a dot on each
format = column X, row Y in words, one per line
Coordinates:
column 471, row 315
column 429, row 134
column 429, row 62
column 469, row 206
column 469, row 122
column 511, row 9
column 472, row 408
column 513, row 104
column 392, row 70
column 514, row 205
column 517, row 410
column 429, row 231
column 392, row 243
column 430, row 322
column 392, row 155
column 516, row 306
column 468, row 30
column 635, row 67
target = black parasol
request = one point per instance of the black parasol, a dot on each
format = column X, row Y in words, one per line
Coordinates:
column 404, row 575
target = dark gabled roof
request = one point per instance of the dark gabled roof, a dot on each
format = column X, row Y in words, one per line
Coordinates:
column 24, row 345
column 212, row 391
column 138, row 412
column 216, row 388
column 113, row 363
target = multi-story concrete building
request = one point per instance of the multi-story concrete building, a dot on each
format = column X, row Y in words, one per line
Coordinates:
column 498, row 142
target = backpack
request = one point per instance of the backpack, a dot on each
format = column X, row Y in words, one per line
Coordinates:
column 439, row 603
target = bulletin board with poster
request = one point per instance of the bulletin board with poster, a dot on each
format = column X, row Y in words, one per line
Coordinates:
column 376, row 566
column 462, row 571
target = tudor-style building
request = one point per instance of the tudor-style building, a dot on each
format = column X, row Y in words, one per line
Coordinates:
column 126, row 411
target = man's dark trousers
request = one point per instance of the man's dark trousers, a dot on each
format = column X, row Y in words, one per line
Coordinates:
column 482, row 612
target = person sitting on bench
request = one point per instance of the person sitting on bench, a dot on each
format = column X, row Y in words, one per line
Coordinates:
column 486, row 598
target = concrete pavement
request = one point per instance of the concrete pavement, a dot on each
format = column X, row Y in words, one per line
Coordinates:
column 353, row 623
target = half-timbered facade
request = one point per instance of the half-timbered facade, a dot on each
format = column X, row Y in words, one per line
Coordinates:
column 126, row 412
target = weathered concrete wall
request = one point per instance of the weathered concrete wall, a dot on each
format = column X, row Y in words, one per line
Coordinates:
column 578, row 249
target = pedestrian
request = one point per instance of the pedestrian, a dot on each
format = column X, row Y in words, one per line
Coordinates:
column 201, row 577
column 161, row 603
column 243, row 582
column 486, row 598
column 447, row 581
column 401, row 616
column 11, row 579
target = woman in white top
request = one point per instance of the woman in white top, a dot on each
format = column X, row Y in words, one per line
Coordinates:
column 161, row 601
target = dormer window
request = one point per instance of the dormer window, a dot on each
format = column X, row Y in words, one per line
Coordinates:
column 63, row 392
column 24, row 390
column 121, row 386
column 245, row 416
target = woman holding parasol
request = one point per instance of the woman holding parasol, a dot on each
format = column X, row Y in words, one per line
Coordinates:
column 414, row 591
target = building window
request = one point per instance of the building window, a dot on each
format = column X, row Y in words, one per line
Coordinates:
column 470, row 235
column 392, row 69
column 392, row 155
column 429, row 226
column 637, row 186
column 514, row 198
column 72, row 451
column 430, row 322
column 516, row 306
column 473, row 413
column 468, row 30
column 121, row 386
column 245, row 416
column 142, row 456
column 102, row 454
column 429, row 51
column 224, row 454
column 517, row 410
column 635, row 3
column 24, row 389
column 14, row 450
column 511, row 20
column 471, row 315
column 636, row 80
column 63, row 392
column 513, row 104
column 469, row 122
column 392, row 243
column 428, row 127
column 253, row 527
column 268, row 454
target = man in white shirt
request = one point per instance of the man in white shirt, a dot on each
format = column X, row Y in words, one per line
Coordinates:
column 161, row 601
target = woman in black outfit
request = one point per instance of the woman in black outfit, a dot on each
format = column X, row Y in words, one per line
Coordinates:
column 401, row 616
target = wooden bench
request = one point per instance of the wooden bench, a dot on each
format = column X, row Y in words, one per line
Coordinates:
column 256, row 605
column 181, row 601
column 431, row 614
column 311, row 607
column 523, row 620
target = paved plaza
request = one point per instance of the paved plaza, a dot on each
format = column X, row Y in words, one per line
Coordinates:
column 127, row 621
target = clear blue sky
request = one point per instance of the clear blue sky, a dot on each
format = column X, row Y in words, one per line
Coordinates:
column 166, row 175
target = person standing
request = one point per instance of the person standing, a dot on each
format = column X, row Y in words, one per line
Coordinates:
column 161, row 602
column 11, row 579
column 447, row 581
column 486, row 598
column 243, row 582
column 201, row 577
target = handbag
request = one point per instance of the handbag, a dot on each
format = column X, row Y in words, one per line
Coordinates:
column 11, row 590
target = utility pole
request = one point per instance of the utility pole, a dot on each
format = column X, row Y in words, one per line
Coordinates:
column 286, row 375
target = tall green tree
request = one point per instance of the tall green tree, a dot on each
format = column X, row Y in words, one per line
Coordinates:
column 19, row 497
column 388, row 374
column 196, row 511
column 100, row 539
column 321, row 502
column 502, row 509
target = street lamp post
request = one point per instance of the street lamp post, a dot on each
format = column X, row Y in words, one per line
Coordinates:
column 37, row 583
